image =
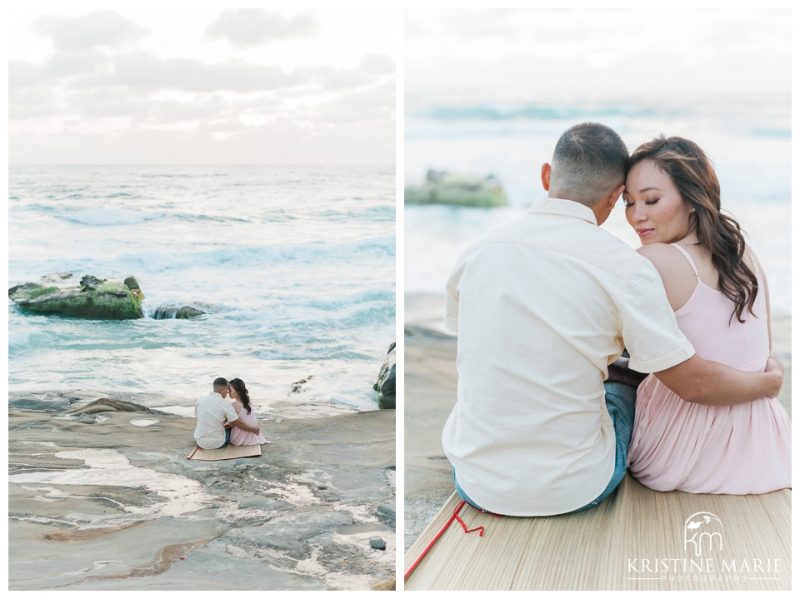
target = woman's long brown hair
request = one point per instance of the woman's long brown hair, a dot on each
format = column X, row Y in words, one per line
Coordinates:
column 694, row 176
column 244, row 396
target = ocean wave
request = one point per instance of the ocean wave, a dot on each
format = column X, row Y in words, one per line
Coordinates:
column 483, row 112
column 202, row 218
column 371, row 296
column 65, row 334
column 104, row 217
column 40, row 208
column 316, row 253
column 771, row 132
column 294, row 320
column 372, row 213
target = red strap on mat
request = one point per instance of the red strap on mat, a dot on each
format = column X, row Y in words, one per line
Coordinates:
column 437, row 536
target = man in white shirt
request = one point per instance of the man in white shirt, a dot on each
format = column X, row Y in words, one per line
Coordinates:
column 215, row 417
column 542, row 306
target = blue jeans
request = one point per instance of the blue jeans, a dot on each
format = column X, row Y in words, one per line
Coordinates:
column 227, row 438
column 620, row 400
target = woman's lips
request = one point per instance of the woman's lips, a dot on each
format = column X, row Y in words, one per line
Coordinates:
column 644, row 232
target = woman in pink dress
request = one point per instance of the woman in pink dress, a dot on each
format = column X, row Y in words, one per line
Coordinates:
column 718, row 291
column 241, row 404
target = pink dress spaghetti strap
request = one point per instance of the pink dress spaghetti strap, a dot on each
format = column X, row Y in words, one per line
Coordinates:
column 683, row 446
column 242, row 437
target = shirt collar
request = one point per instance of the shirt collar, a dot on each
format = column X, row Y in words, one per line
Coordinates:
column 563, row 207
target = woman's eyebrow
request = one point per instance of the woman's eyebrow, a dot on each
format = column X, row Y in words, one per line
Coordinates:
column 649, row 188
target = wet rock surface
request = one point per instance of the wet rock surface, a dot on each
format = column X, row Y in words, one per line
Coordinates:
column 112, row 505
column 183, row 312
column 386, row 383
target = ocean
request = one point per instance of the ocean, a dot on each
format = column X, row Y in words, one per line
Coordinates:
column 294, row 265
column 749, row 145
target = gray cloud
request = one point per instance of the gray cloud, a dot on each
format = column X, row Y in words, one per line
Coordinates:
column 101, row 28
column 23, row 74
column 143, row 71
column 28, row 96
column 361, row 106
column 75, row 64
column 378, row 64
column 252, row 27
column 114, row 102
column 140, row 75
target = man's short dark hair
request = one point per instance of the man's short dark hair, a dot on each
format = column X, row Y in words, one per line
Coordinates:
column 589, row 161
column 220, row 382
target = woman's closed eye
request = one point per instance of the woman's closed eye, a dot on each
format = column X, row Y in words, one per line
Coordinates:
column 647, row 202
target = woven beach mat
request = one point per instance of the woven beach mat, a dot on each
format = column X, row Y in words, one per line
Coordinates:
column 229, row 452
column 638, row 539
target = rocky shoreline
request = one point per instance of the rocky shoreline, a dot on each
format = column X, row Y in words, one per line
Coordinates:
column 114, row 503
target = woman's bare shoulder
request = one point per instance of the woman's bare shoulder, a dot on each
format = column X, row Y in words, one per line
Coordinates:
column 667, row 260
column 676, row 273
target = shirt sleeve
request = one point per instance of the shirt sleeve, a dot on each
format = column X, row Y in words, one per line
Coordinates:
column 452, row 297
column 649, row 329
column 230, row 412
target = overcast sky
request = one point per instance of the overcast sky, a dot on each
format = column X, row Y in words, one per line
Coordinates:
column 579, row 56
column 204, row 86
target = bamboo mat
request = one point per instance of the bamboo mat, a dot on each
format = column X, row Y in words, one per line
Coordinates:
column 229, row 452
column 634, row 540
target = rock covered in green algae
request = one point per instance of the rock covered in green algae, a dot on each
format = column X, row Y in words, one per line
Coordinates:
column 94, row 298
column 385, row 385
column 442, row 187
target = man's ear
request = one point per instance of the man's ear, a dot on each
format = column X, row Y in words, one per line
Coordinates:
column 614, row 196
column 546, row 176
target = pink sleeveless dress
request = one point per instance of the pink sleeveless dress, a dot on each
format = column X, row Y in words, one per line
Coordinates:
column 242, row 437
column 683, row 446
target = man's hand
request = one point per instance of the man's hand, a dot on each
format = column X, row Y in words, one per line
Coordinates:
column 775, row 370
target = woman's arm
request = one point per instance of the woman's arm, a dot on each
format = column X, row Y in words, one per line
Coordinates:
column 243, row 425
column 713, row 384
column 238, row 423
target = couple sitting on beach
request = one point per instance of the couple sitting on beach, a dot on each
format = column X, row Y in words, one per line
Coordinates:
column 221, row 422
column 545, row 304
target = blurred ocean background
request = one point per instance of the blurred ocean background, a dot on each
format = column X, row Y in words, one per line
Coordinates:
column 749, row 143
column 294, row 265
